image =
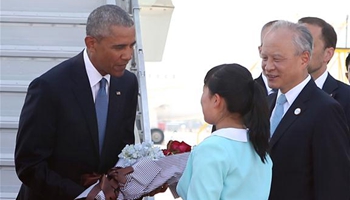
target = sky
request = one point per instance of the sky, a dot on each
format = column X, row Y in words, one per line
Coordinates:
column 203, row 34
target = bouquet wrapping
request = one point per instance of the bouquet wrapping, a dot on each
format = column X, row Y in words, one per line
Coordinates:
column 141, row 169
column 150, row 174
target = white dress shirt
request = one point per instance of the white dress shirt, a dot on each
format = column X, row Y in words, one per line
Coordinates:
column 292, row 94
column 94, row 76
column 322, row 79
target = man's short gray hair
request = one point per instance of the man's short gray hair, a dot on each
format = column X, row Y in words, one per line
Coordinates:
column 104, row 17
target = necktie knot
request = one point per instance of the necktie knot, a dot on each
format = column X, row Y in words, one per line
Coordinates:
column 103, row 83
column 282, row 99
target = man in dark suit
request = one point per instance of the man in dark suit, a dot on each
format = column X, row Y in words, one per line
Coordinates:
column 310, row 146
column 325, row 41
column 261, row 79
column 58, row 137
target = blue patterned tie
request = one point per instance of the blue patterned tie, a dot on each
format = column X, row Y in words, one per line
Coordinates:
column 101, row 106
column 277, row 115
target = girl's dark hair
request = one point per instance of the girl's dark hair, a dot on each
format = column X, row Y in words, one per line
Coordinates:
column 243, row 95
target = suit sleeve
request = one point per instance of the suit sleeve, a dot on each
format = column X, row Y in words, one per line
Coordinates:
column 35, row 142
column 331, row 155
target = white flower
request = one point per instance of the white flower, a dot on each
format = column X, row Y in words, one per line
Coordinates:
column 132, row 153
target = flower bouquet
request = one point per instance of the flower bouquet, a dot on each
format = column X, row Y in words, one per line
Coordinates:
column 141, row 169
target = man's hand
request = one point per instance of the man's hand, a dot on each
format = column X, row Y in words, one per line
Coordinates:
column 160, row 189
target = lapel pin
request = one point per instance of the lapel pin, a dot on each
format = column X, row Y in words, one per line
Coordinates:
column 297, row 111
column 118, row 93
column 331, row 95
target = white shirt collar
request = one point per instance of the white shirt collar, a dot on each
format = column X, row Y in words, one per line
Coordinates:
column 93, row 75
column 236, row 134
column 322, row 79
column 292, row 94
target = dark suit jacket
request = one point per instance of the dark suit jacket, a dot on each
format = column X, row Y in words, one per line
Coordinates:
column 57, row 138
column 260, row 80
column 340, row 92
column 310, row 150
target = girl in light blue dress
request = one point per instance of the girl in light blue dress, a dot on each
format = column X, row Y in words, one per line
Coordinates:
column 232, row 163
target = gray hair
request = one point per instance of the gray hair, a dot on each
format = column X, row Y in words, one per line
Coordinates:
column 267, row 25
column 104, row 17
column 302, row 38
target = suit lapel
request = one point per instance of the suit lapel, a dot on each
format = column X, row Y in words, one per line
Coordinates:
column 260, row 80
column 294, row 112
column 330, row 85
column 271, row 99
column 82, row 91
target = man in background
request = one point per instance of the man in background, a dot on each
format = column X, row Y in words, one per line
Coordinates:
column 262, row 78
column 325, row 41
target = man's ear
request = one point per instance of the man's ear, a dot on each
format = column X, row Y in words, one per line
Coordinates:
column 90, row 43
column 329, row 52
column 305, row 58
